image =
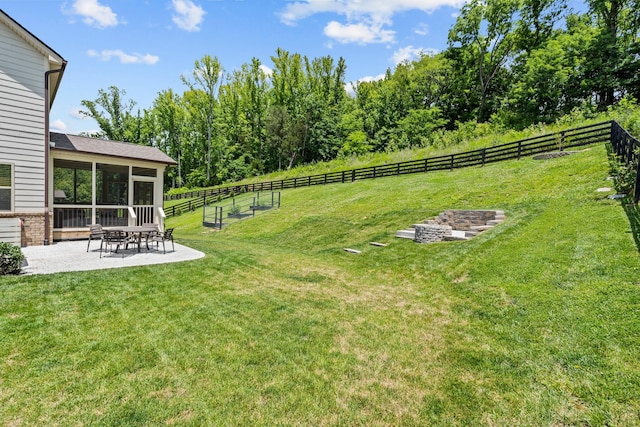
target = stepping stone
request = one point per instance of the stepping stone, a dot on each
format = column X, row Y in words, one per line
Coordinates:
column 457, row 234
column 406, row 234
column 481, row 227
column 604, row 190
column 381, row 245
column 352, row 251
column 455, row 238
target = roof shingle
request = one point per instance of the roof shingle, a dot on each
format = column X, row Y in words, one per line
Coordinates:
column 124, row 150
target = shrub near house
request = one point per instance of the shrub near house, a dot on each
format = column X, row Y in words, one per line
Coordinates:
column 11, row 258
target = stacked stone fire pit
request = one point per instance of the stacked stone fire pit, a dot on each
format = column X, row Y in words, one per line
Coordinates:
column 454, row 224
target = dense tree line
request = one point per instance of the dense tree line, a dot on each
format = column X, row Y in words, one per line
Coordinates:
column 509, row 62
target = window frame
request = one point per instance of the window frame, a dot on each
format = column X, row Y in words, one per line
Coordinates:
column 10, row 187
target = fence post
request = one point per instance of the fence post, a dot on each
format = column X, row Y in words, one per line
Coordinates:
column 398, row 169
column 426, row 165
column 484, row 155
column 636, row 189
column 374, row 172
column 343, row 177
column 519, row 149
column 452, row 158
column 353, row 175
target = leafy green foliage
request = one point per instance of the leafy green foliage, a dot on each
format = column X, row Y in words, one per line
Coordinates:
column 509, row 64
column 11, row 258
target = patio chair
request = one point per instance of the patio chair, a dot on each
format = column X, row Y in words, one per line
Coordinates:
column 150, row 234
column 95, row 232
column 115, row 238
column 163, row 236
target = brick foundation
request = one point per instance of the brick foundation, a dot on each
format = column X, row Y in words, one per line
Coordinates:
column 32, row 227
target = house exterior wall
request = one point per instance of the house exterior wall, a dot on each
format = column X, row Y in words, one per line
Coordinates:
column 22, row 71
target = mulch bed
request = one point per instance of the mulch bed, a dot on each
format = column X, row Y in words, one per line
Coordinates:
column 552, row 155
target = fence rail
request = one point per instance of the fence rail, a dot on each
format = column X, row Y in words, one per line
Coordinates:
column 627, row 148
column 216, row 216
column 571, row 138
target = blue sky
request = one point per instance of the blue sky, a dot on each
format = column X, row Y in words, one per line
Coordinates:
column 144, row 46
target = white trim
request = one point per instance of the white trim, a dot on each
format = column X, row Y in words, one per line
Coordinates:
column 11, row 187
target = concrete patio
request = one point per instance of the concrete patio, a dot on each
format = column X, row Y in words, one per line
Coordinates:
column 73, row 256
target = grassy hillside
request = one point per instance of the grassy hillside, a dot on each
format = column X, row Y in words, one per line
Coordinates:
column 535, row 322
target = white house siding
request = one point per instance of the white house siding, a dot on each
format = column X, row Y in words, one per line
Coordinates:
column 22, row 70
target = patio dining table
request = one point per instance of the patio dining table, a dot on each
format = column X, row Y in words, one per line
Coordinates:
column 137, row 232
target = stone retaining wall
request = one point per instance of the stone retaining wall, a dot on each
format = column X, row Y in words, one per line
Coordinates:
column 453, row 224
column 429, row 233
column 460, row 219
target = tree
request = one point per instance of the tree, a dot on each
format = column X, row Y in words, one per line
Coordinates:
column 113, row 115
column 288, row 127
column 618, row 22
column 206, row 75
column 170, row 116
column 485, row 31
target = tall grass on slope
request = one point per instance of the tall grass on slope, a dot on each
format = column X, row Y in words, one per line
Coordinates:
column 534, row 322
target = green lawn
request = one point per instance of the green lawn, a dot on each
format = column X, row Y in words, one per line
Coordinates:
column 533, row 323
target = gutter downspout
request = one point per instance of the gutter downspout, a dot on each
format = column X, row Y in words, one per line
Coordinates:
column 47, row 137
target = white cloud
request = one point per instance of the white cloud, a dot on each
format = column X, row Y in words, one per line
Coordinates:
column 422, row 29
column 94, row 14
column 125, row 58
column 351, row 86
column 360, row 33
column 365, row 19
column 353, row 9
column 407, row 53
column 58, row 126
column 372, row 78
column 75, row 113
column 266, row 70
column 188, row 16
column 411, row 53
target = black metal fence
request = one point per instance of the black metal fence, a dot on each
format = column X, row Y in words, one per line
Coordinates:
column 217, row 216
column 572, row 138
column 627, row 148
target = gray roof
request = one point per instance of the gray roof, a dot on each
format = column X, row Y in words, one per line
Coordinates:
column 125, row 150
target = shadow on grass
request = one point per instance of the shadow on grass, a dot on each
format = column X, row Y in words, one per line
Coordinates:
column 633, row 213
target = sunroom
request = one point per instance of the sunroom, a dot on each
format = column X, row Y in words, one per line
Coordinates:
column 104, row 182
